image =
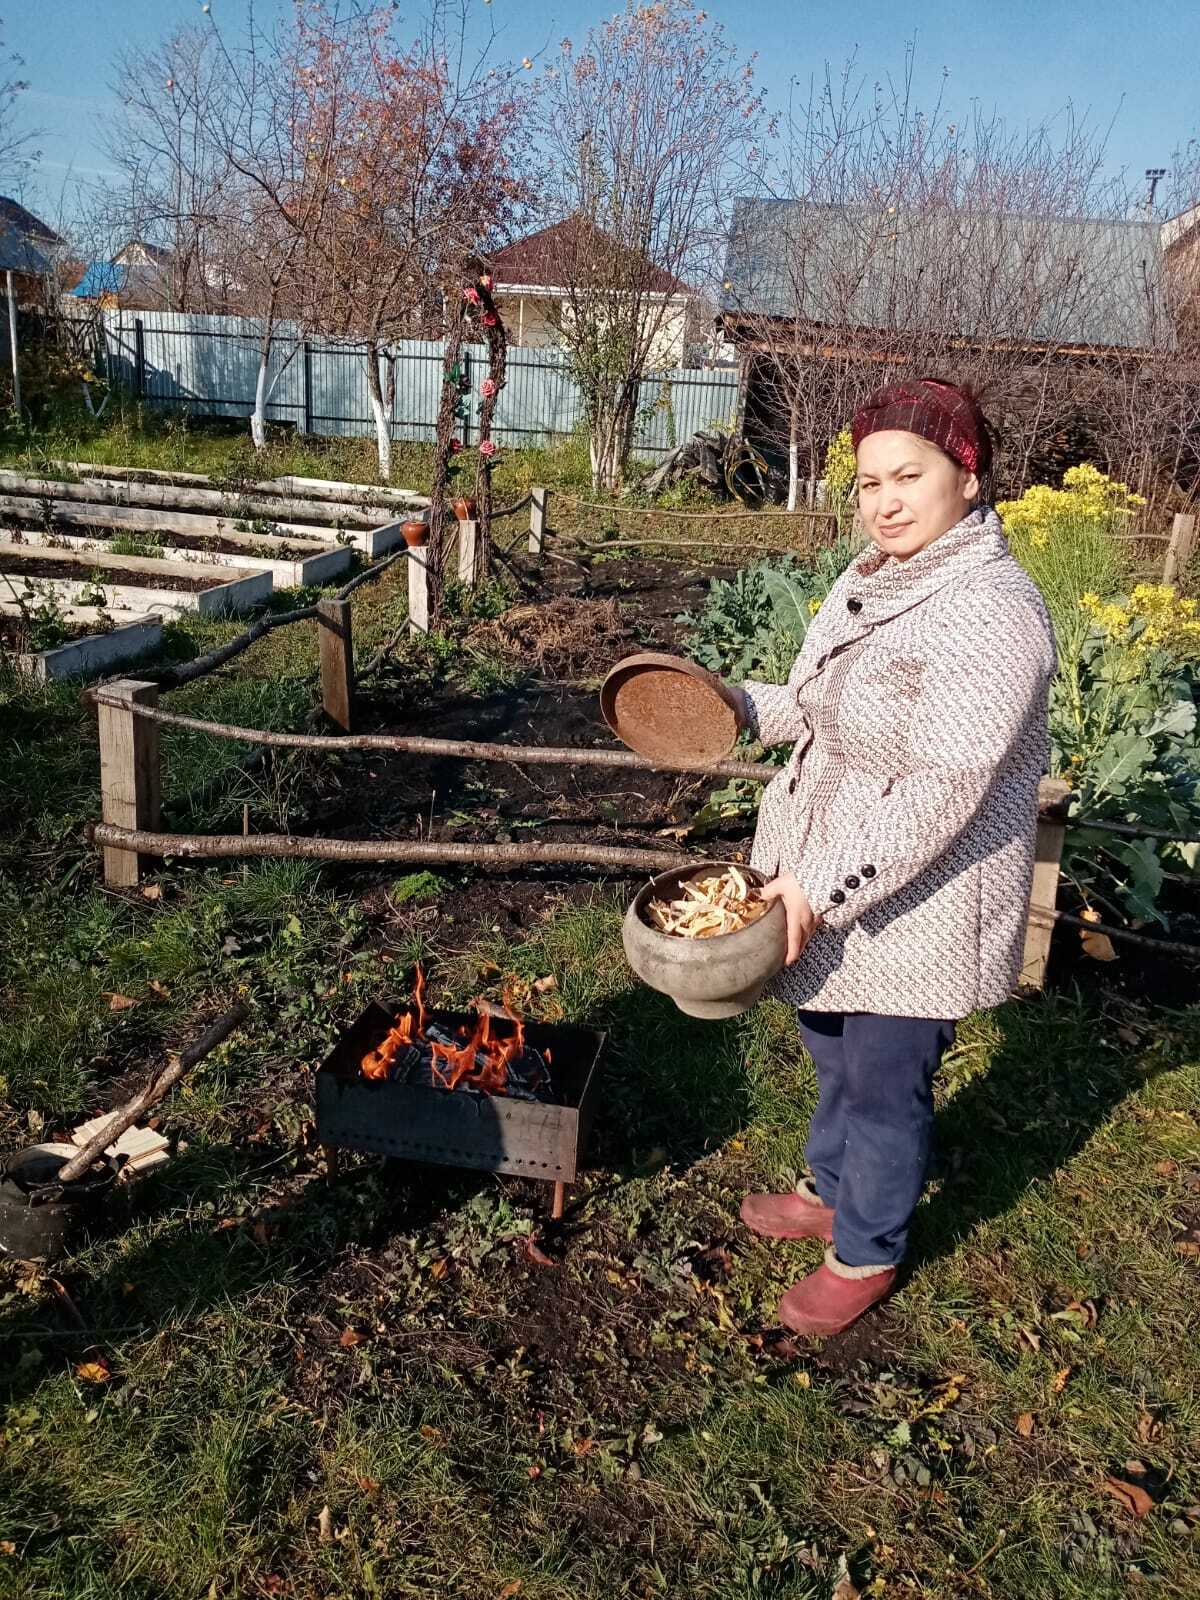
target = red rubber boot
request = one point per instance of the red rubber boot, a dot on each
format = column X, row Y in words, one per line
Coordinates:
column 799, row 1214
column 834, row 1296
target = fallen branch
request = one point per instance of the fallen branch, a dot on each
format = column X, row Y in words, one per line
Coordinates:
column 1134, row 830
column 1171, row 947
column 196, row 846
column 692, row 516
column 460, row 749
column 176, row 677
column 677, row 544
column 152, row 1093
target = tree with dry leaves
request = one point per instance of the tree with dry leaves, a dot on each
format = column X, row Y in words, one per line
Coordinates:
column 644, row 128
column 418, row 145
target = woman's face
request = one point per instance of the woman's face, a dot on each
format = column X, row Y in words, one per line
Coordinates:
column 909, row 493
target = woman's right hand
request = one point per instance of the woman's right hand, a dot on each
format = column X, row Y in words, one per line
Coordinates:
column 801, row 918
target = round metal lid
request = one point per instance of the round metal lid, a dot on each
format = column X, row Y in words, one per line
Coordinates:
column 667, row 708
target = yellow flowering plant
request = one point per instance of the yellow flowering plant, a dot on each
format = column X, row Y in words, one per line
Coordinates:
column 1124, row 729
column 840, row 466
column 1069, row 540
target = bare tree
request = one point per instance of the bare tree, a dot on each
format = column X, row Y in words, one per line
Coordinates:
column 17, row 152
column 901, row 241
column 642, row 129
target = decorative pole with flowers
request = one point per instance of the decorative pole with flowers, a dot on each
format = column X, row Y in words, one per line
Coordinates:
column 447, row 445
column 478, row 298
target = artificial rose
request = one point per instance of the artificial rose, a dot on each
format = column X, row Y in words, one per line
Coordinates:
column 487, row 388
column 488, row 319
column 455, row 446
column 488, row 449
column 486, row 280
column 472, row 295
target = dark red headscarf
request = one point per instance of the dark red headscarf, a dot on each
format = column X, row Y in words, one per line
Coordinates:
column 947, row 416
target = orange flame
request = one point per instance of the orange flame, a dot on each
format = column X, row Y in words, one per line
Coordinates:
column 480, row 1061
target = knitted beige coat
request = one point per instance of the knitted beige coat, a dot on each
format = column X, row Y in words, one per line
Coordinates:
column 908, row 807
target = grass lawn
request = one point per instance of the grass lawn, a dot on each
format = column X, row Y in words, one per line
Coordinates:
column 409, row 1382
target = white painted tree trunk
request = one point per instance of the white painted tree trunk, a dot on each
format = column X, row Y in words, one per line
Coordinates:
column 258, row 417
column 793, row 460
column 383, row 430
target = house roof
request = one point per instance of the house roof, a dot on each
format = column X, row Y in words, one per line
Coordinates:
column 18, row 254
column 15, row 214
column 555, row 256
column 101, row 278
column 1062, row 281
column 154, row 254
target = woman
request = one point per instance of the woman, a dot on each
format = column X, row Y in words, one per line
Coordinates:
column 900, row 835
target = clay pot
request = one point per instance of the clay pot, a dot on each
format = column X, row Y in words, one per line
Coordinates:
column 465, row 509
column 38, row 1215
column 710, row 978
column 415, row 533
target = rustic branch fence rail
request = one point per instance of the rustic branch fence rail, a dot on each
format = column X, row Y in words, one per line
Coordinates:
column 131, row 792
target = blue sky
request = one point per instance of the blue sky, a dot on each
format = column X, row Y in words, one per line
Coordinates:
column 1129, row 64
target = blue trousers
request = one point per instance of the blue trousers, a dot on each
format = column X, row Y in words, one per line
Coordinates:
column 872, row 1131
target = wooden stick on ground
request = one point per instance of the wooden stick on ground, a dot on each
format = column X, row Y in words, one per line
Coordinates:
column 203, row 846
column 153, row 1092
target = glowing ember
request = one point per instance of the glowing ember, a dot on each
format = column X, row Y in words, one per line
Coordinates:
column 419, row 1050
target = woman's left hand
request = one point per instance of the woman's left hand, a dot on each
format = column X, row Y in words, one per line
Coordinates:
column 801, row 919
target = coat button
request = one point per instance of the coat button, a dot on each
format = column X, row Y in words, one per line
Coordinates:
column 868, row 872
column 854, row 605
column 837, row 897
column 852, row 882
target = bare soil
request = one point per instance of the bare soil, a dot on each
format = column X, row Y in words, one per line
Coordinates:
column 23, row 566
column 181, row 541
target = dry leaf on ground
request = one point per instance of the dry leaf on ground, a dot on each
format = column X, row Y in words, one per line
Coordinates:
column 119, row 1002
column 1025, row 1424
column 94, row 1371
column 510, row 1589
column 1060, row 1379
column 349, row 1338
column 535, row 1253
column 1097, row 945
column 1131, row 1496
column 325, row 1525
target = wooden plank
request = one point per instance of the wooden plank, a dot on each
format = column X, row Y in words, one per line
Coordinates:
column 137, row 519
column 319, row 567
column 130, row 773
column 226, row 592
column 1053, row 795
column 468, row 553
column 418, row 588
column 537, row 521
column 1179, row 550
column 356, row 495
column 336, row 641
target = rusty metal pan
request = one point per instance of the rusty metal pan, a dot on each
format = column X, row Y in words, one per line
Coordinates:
column 667, row 708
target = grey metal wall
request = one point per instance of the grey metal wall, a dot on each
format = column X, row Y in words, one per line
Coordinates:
column 209, row 365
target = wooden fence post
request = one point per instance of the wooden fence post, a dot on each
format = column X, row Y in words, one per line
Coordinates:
column 1180, row 547
column 130, row 776
column 335, row 638
column 418, row 588
column 537, row 521
column 1053, row 796
column 468, row 553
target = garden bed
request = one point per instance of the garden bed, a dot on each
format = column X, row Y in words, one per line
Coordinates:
column 131, row 583
column 92, row 643
column 290, row 562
